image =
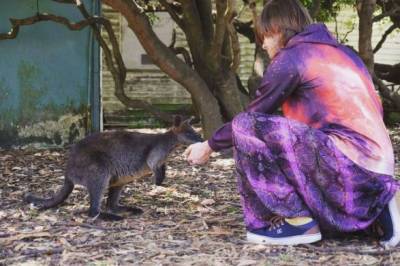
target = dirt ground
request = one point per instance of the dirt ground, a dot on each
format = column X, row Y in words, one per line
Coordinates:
column 194, row 219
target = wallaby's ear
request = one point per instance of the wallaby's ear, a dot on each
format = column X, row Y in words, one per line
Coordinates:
column 177, row 120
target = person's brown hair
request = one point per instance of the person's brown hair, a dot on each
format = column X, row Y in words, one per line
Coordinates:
column 287, row 17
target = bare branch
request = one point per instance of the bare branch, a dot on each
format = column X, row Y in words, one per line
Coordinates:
column 113, row 39
column 185, row 53
column 343, row 39
column 119, row 77
column 180, row 50
column 230, row 14
column 172, row 13
column 17, row 23
column 384, row 36
column 394, row 11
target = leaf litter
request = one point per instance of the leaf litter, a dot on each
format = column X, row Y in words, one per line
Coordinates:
column 193, row 219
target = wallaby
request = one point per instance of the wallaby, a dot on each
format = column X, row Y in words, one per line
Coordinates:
column 114, row 158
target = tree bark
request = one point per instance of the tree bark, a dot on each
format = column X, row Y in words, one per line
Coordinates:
column 228, row 93
column 261, row 60
column 365, row 9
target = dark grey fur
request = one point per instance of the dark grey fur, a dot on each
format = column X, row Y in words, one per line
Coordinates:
column 112, row 159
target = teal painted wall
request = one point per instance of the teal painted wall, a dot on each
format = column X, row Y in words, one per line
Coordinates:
column 49, row 76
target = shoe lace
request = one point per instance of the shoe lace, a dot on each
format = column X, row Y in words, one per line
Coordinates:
column 276, row 222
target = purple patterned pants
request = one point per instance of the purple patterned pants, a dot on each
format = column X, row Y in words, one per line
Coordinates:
column 289, row 169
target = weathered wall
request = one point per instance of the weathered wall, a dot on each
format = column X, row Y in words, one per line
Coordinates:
column 47, row 77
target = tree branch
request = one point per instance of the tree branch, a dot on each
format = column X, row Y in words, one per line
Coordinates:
column 118, row 74
column 172, row 13
column 394, row 98
column 17, row 23
column 180, row 50
column 315, row 8
column 113, row 40
column 205, row 10
column 394, row 11
column 194, row 33
column 384, row 36
column 230, row 14
column 219, row 34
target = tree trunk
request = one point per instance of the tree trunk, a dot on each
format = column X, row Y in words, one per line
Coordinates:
column 261, row 60
column 167, row 61
column 228, row 93
column 365, row 9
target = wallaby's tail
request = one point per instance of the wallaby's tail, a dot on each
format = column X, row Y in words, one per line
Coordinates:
column 58, row 198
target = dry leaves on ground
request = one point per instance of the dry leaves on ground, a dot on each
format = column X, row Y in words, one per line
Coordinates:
column 195, row 219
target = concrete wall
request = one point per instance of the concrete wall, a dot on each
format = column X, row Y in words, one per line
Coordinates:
column 48, row 77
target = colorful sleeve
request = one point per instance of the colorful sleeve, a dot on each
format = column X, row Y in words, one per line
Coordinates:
column 279, row 81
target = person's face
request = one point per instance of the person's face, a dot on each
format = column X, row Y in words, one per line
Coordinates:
column 272, row 44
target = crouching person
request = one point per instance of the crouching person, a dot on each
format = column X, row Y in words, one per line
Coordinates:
column 327, row 164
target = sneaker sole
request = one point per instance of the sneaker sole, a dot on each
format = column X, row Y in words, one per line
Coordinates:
column 290, row 240
column 394, row 212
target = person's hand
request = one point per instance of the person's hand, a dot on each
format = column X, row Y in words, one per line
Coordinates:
column 198, row 153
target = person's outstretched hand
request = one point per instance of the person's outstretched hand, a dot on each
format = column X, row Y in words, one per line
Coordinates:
column 198, row 153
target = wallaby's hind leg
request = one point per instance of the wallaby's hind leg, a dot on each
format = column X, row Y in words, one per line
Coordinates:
column 96, row 190
column 159, row 174
column 113, row 202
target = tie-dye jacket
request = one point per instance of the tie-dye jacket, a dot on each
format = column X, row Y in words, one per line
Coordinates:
column 325, row 85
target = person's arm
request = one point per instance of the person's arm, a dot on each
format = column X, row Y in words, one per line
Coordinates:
column 280, row 79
